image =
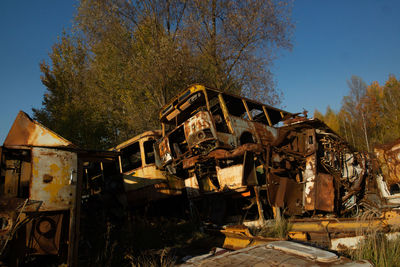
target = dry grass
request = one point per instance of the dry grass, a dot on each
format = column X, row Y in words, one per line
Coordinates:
column 276, row 228
column 377, row 248
column 147, row 259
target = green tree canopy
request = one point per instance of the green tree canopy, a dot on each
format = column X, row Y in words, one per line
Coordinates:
column 123, row 60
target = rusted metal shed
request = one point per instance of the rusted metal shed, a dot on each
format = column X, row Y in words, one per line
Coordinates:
column 40, row 192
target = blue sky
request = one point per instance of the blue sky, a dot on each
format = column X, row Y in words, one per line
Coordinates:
column 333, row 40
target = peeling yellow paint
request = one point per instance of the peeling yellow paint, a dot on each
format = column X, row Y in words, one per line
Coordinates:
column 54, row 168
column 35, row 170
column 53, row 189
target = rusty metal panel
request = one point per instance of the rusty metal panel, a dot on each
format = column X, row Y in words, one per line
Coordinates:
column 240, row 126
column 319, row 190
column 309, row 176
column 199, row 128
column 325, row 192
column 226, row 139
column 389, row 160
column 280, row 194
column 54, row 175
column 261, row 133
column 27, row 132
column 266, row 133
column 149, row 184
column 293, row 200
column 230, row 177
column 310, row 141
column 239, row 151
column 142, row 177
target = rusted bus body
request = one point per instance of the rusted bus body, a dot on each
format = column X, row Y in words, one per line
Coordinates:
column 388, row 176
column 201, row 120
column 143, row 181
column 327, row 174
column 221, row 143
column 44, row 179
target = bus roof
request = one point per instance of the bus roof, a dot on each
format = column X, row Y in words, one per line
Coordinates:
column 170, row 106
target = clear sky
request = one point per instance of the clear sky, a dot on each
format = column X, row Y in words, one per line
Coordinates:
column 333, row 40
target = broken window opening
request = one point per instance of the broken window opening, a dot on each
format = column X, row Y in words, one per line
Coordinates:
column 257, row 112
column 185, row 109
column 194, row 104
column 131, row 157
column 218, row 115
column 16, row 173
column 149, row 151
column 177, row 142
column 94, row 176
column 235, row 106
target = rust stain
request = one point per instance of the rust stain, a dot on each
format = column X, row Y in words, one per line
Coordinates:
column 199, row 129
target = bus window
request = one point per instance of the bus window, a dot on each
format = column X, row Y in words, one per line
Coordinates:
column 149, row 151
column 131, row 158
column 235, row 106
column 189, row 107
column 257, row 112
column 218, row 115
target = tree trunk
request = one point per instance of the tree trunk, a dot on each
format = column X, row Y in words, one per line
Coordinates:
column 365, row 130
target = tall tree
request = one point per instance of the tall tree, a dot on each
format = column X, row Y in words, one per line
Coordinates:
column 130, row 57
column 390, row 109
column 238, row 40
column 330, row 118
column 354, row 105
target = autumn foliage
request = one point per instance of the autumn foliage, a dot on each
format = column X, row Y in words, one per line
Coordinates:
column 369, row 115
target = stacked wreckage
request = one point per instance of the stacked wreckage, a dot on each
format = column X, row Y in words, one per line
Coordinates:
column 236, row 162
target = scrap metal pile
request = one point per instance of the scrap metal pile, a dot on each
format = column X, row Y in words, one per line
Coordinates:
column 231, row 159
column 282, row 163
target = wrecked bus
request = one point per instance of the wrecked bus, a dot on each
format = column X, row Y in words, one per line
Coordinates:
column 143, row 181
column 268, row 161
